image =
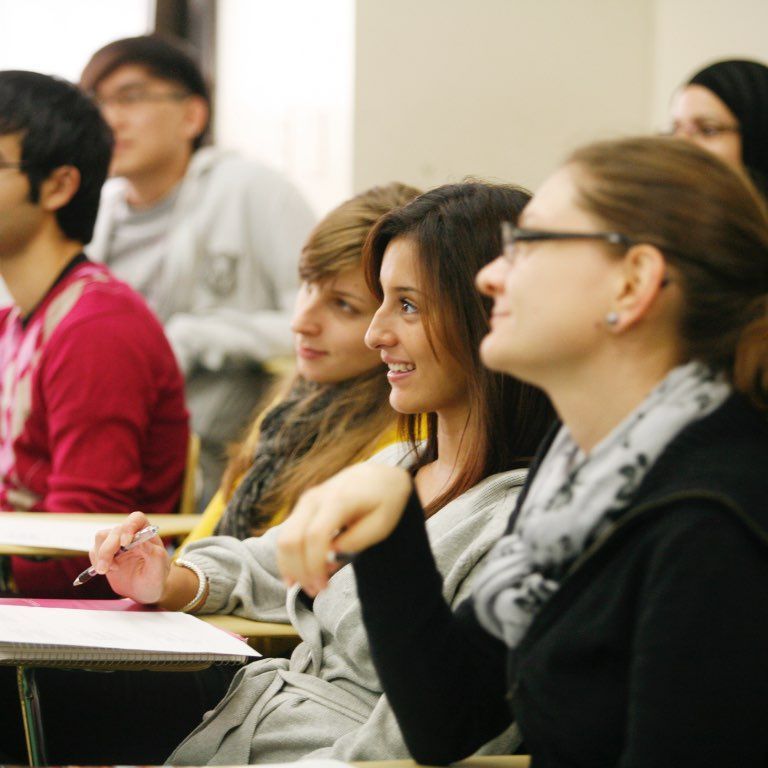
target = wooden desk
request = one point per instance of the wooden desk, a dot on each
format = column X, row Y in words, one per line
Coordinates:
column 170, row 525
column 266, row 637
column 490, row 761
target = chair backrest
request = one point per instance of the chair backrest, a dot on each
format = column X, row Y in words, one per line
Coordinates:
column 188, row 498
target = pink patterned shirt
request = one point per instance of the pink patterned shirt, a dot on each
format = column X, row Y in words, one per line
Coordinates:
column 92, row 414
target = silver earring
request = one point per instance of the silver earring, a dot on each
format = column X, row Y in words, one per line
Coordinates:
column 612, row 318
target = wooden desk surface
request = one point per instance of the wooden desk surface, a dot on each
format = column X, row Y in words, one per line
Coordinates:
column 170, row 525
column 489, row 761
column 247, row 628
column 267, row 638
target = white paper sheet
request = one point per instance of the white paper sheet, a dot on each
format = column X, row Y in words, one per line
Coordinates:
column 49, row 533
column 177, row 634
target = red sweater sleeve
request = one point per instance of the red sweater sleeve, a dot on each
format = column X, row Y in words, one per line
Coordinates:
column 99, row 385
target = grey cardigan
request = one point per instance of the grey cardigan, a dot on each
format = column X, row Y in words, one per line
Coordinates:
column 326, row 701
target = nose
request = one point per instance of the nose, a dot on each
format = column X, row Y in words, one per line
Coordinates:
column 306, row 320
column 490, row 279
column 112, row 114
column 379, row 334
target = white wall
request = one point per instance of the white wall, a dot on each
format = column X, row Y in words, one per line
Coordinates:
column 284, row 89
column 58, row 36
column 496, row 88
column 692, row 33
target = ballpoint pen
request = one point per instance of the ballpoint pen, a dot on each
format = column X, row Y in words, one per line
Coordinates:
column 145, row 534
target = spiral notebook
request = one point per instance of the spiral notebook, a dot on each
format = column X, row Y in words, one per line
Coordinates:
column 78, row 637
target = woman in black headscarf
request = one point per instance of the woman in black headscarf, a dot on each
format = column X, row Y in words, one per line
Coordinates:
column 724, row 109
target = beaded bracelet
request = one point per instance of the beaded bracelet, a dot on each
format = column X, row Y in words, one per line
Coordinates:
column 202, row 586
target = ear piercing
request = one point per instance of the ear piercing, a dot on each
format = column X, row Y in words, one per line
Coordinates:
column 612, row 318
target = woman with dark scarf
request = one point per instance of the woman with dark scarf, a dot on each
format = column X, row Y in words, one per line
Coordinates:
column 622, row 620
column 724, row 109
column 333, row 410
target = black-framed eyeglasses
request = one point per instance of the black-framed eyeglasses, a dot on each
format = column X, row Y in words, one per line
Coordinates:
column 510, row 235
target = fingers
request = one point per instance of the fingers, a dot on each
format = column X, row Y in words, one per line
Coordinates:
column 108, row 542
column 294, row 551
column 364, row 533
column 353, row 510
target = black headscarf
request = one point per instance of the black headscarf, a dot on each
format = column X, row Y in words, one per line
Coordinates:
column 743, row 87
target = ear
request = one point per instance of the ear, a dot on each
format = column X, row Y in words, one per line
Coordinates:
column 642, row 277
column 196, row 115
column 59, row 188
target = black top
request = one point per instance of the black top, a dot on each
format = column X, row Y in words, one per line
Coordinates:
column 653, row 652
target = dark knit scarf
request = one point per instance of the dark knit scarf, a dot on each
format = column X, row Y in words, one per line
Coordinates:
column 743, row 87
column 286, row 434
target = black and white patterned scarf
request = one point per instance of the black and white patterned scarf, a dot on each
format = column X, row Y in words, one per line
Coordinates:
column 576, row 496
column 286, row 434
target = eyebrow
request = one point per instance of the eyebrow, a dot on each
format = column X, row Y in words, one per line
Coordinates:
column 406, row 289
column 348, row 294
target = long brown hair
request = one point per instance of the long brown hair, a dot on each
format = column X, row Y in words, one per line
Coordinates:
column 356, row 419
column 456, row 231
column 711, row 225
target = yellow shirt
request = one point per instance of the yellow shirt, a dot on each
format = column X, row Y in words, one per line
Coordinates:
column 218, row 503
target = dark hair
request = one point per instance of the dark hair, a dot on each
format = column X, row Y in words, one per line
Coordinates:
column 711, row 225
column 59, row 126
column 742, row 85
column 162, row 56
column 456, row 230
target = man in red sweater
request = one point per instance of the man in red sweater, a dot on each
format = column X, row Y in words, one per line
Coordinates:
column 92, row 414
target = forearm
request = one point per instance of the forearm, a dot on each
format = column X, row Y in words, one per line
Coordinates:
column 242, row 576
column 443, row 675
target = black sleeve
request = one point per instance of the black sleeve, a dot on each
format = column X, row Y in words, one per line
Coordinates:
column 699, row 676
column 442, row 673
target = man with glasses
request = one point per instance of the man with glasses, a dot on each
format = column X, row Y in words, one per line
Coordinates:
column 92, row 415
column 211, row 241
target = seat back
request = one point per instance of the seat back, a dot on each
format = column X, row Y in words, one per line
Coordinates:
column 188, row 498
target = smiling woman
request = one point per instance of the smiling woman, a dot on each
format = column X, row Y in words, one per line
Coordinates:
column 421, row 261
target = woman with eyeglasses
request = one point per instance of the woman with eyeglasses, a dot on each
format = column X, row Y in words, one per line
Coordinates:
column 724, row 109
column 622, row 620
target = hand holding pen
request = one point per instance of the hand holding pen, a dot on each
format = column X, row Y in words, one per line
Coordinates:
column 145, row 534
column 135, row 563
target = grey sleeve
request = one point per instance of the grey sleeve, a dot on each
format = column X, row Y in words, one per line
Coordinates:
column 243, row 576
